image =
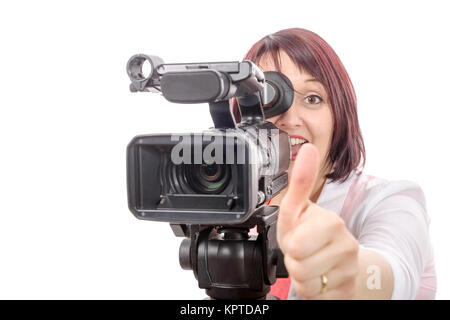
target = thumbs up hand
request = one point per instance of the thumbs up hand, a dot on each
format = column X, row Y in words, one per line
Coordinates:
column 320, row 254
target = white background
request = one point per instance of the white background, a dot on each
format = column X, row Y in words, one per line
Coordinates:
column 67, row 116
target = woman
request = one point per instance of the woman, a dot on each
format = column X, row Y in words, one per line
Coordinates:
column 344, row 234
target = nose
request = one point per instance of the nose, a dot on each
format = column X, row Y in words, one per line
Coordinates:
column 289, row 119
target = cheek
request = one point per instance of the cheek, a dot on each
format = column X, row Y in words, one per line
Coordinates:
column 322, row 131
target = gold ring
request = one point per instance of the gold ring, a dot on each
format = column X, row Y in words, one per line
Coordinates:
column 324, row 280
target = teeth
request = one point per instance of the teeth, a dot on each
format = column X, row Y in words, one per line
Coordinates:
column 295, row 141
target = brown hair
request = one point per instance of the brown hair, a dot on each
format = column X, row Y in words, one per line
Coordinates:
column 312, row 54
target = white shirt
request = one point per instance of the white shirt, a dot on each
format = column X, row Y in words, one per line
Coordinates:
column 390, row 218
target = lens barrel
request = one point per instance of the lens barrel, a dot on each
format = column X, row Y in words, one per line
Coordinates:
column 207, row 178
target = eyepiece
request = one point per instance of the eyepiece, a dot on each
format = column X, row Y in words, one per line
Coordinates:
column 279, row 94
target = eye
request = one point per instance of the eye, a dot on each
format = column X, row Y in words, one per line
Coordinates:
column 313, row 99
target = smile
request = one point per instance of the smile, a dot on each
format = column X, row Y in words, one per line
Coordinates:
column 296, row 143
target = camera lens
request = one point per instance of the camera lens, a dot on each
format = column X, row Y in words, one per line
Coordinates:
column 210, row 172
column 207, row 178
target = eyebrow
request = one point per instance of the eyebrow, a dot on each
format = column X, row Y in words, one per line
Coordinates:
column 318, row 88
column 314, row 80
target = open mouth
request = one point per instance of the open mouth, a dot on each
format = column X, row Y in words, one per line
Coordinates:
column 296, row 144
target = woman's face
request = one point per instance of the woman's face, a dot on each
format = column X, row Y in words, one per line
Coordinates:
column 309, row 117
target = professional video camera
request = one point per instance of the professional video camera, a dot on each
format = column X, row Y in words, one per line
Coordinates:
column 212, row 186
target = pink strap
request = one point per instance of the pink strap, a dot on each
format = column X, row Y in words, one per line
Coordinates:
column 280, row 289
column 354, row 196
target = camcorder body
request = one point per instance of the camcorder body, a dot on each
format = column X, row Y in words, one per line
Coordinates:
column 212, row 186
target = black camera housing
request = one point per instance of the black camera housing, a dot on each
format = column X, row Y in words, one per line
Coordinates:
column 160, row 190
column 215, row 200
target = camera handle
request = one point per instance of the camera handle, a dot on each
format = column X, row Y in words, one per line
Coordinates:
column 250, row 107
column 231, row 264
